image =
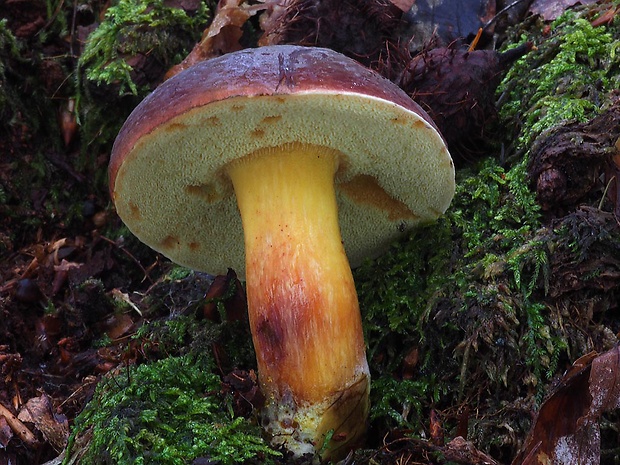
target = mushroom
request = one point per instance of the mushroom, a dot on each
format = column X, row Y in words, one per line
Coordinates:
column 281, row 162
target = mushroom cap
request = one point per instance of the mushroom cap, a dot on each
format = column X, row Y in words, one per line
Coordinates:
column 167, row 169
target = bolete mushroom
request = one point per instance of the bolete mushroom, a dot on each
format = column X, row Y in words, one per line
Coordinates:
column 306, row 157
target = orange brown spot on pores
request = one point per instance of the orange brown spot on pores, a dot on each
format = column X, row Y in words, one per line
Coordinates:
column 365, row 190
column 170, row 242
column 134, row 211
column 174, row 127
column 206, row 192
column 258, row 133
column 271, row 119
column 213, row 121
column 398, row 120
column 194, row 246
column 237, row 107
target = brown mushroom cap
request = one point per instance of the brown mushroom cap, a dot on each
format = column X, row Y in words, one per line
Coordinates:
column 167, row 175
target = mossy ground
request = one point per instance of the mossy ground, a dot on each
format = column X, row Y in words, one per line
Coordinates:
column 470, row 314
column 170, row 411
column 62, row 107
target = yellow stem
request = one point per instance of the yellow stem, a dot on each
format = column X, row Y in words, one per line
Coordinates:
column 303, row 306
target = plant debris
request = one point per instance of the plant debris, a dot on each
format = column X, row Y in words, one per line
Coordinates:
column 457, row 87
column 566, row 428
column 550, row 11
column 335, row 24
column 573, row 162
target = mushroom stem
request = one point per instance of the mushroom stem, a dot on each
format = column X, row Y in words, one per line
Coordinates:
column 304, row 313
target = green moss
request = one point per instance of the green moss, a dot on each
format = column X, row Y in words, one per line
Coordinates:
column 469, row 295
column 167, row 412
column 177, row 273
column 9, row 50
column 139, row 28
column 564, row 79
column 465, row 294
column 173, row 334
column 124, row 59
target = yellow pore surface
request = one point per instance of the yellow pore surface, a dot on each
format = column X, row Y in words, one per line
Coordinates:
column 302, row 302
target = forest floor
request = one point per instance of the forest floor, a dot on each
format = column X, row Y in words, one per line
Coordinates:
column 520, row 280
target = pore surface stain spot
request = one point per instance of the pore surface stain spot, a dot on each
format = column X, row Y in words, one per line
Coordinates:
column 170, row 242
column 206, row 192
column 365, row 190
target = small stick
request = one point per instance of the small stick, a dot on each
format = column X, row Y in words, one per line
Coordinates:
column 474, row 42
column 18, row 427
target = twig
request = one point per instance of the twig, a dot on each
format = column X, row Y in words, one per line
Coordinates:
column 18, row 427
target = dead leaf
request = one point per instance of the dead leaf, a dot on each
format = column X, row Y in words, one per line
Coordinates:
column 436, row 430
column 461, row 451
column 605, row 382
column 229, row 291
column 566, row 429
column 55, row 428
column 549, row 11
column 605, row 18
column 118, row 325
column 222, row 36
column 18, row 427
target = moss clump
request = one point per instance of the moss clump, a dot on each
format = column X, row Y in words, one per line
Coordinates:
column 9, row 49
column 166, row 412
column 565, row 79
column 465, row 296
column 139, row 31
column 175, row 307
column 125, row 58
column 478, row 309
column 17, row 67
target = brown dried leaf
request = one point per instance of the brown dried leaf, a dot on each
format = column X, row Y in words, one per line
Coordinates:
column 549, row 11
column 436, row 430
column 271, row 19
column 605, row 382
column 55, row 428
column 461, row 451
column 222, row 36
column 118, row 325
column 217, row 289
column 566, row 429
column 227, row 288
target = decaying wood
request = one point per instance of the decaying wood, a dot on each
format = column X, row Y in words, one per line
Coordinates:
column 568, row 163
